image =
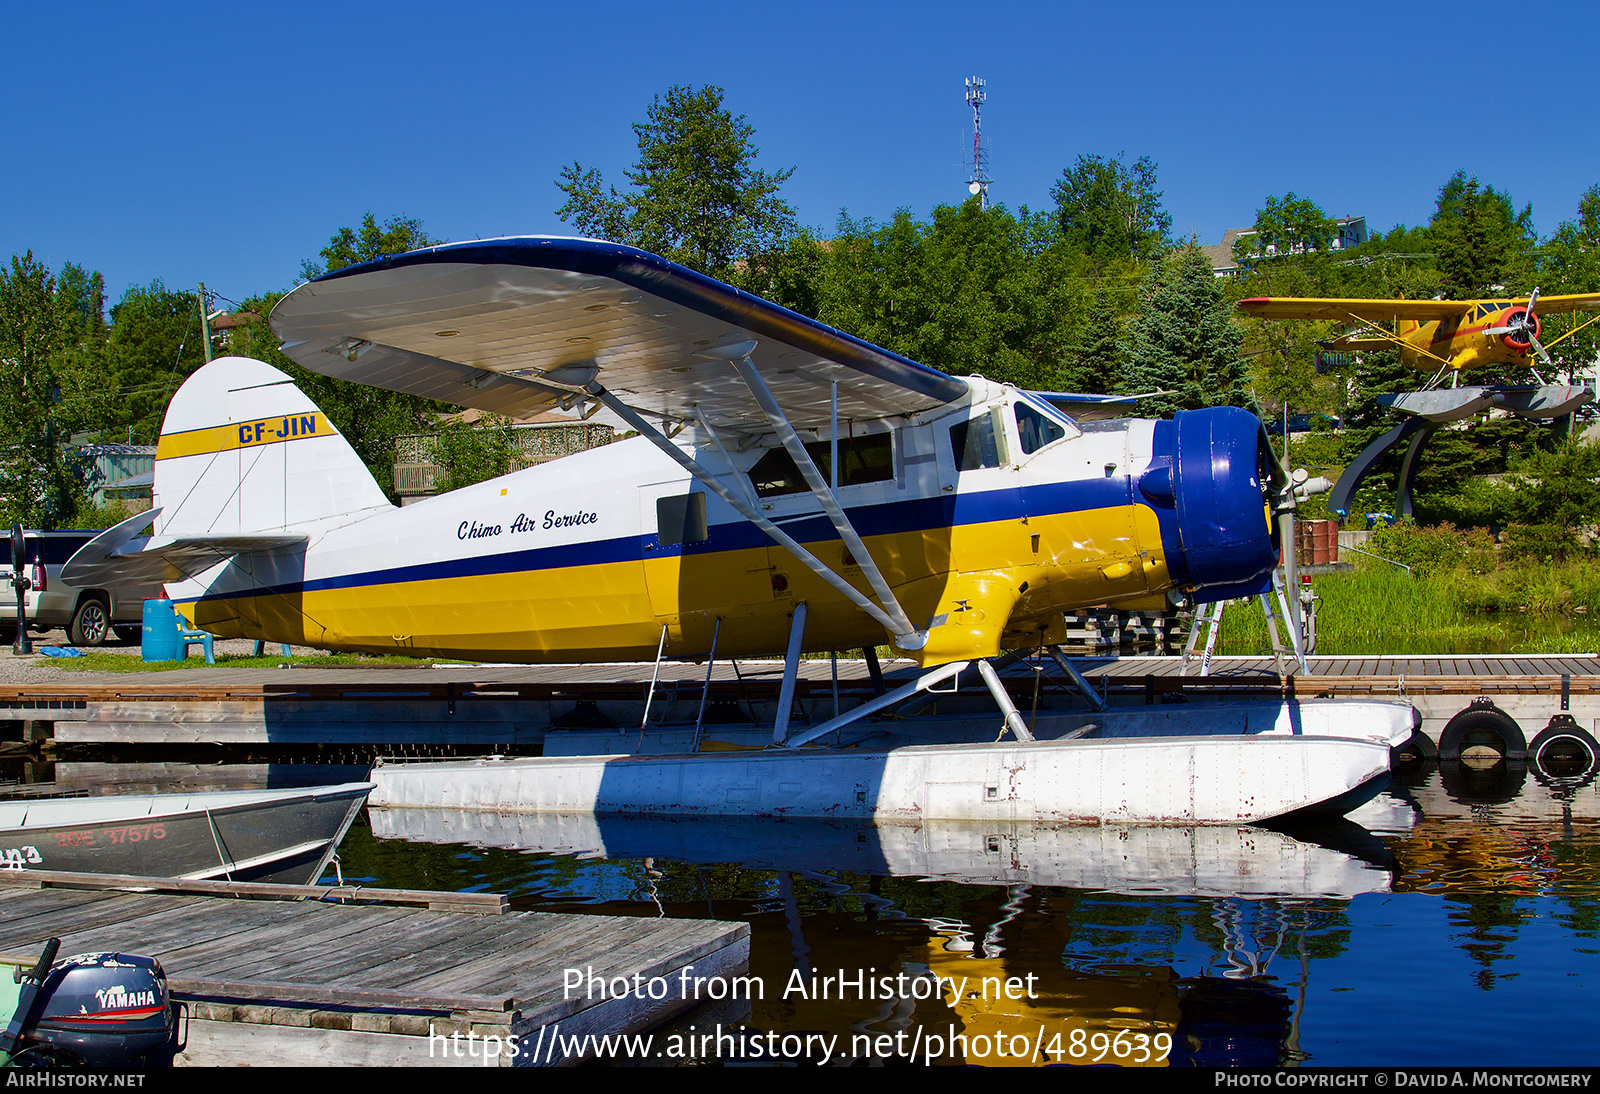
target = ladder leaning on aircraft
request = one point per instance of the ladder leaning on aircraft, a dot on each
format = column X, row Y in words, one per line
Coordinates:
column 791, row 486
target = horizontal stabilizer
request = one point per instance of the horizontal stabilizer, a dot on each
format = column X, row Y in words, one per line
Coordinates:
column 1354, row 343
column 121, row 556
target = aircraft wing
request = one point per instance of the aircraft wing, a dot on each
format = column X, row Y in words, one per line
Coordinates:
column 1094, row 408
column 1588, row 301
column 1381, row 311
column 120, row 556
column 1375, row 311
column 485, row 324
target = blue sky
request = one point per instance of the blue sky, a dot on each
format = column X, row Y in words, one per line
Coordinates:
column 226, row 143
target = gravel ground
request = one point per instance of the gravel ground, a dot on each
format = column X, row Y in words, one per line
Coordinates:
column 39, row 669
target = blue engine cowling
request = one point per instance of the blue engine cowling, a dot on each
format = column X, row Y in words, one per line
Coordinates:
column 107, row 1009
column 1208, row 480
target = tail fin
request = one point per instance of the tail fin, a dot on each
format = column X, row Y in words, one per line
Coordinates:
column 244, row 450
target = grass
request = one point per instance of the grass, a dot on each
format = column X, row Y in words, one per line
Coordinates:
column 1382, row 610
column 118, row 662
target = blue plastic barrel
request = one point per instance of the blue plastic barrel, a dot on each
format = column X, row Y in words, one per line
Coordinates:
column 158, row 637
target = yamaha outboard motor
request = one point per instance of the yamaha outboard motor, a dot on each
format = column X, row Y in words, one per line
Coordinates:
column 99, row 1010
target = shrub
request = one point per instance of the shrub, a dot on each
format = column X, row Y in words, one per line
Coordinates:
column 1537, row 543
column 1434, row 549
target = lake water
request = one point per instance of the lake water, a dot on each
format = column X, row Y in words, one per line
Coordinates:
column 1456, row 925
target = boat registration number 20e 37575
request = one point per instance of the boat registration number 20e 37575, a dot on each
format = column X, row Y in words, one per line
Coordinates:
column 132, row 833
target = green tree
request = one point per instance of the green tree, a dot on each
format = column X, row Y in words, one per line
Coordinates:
column 1559, row 488
column 697, row 197
column 37, row 324
column 1481, row 242
column 81, row 371
column 974, row 291
column 155, row 343
column 791, row 275
column 397, row 235
column 474, row 453
column 1107, row 209
column 1571, row 260
column 370, row 418
column 1093, row 363
column 1182, row 340
column 1570, row 263
column 1290, row 225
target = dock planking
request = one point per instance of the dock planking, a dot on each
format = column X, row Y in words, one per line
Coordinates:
column 509, row 707
column 315, row 982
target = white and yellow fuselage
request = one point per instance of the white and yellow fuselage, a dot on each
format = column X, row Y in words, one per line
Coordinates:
column 567, row 561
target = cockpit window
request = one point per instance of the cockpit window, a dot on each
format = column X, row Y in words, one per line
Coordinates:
column 1035, row 430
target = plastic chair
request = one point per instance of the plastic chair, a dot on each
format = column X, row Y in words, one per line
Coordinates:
column 188, row 638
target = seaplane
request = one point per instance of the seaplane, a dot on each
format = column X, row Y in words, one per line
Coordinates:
column 1449, row 337
column 790, row 487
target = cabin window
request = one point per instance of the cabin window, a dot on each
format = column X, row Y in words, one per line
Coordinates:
column 1034, row 430
column 861, row 460
column 973, row 443
column 681, row 518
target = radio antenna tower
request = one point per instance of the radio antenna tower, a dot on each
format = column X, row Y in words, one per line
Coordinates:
column 978, row 184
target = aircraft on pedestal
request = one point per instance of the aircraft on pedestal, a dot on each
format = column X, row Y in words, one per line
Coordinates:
column 1448, row 336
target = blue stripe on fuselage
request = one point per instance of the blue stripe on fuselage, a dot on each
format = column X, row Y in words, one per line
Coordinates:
column 919, row 514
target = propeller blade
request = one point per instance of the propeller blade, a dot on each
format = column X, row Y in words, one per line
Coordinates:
column 1539, row 349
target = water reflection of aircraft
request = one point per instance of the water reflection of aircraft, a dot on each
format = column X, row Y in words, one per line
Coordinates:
column 1447, row 337
column 1098, row 987
column 791, row 487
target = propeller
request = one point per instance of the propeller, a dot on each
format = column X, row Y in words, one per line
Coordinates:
column 1521, row 332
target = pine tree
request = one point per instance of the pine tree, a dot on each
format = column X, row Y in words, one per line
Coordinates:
column 1183, row 341
column 1094, row 362
column 1480, row 240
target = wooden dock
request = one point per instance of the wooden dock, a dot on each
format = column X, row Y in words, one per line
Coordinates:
column 291, row 980
column 510, row 707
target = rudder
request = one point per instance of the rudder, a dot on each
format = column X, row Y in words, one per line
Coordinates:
column 243, row 449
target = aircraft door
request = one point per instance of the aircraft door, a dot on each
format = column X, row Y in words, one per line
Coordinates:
column 701, row 560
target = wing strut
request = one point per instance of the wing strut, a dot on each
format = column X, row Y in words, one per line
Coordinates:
column 819, row 487
column 906, row 636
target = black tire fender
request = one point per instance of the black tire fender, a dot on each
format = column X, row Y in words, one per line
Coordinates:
column 1481, row 723
column 1420, row 746
column 1566, row 742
